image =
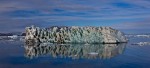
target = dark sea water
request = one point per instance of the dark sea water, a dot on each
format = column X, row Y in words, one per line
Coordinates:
column 17, row 54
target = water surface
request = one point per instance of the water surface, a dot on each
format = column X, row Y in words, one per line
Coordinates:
column 17, row 54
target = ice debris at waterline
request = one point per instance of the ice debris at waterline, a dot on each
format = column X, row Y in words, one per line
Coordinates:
column 74, row 34
column 141, row 43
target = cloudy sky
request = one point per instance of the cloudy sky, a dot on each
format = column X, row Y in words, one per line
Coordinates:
column 15, row 15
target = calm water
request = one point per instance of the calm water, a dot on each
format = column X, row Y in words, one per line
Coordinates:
column 16, row 54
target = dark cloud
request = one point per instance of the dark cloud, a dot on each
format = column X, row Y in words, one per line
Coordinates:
column 123, row 5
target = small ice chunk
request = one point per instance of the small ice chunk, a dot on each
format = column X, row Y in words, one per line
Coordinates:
column 93, row 53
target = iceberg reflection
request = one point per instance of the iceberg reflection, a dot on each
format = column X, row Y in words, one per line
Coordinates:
column 75, row 51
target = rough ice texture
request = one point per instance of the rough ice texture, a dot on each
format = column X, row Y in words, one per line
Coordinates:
column 74, row 34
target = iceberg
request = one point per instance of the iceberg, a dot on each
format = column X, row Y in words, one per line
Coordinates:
column 74, row 34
